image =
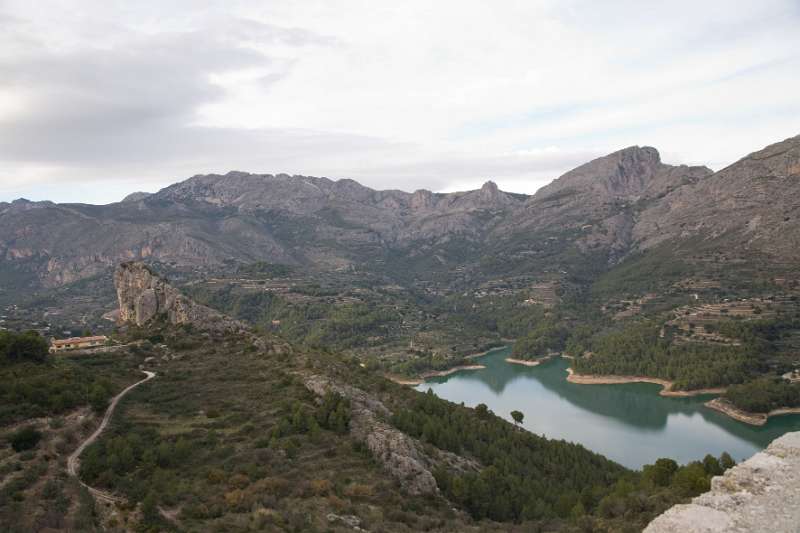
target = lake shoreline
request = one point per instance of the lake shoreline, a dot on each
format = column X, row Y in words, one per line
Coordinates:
column 666, row 385
column 432, row 374
column 529, row 362
column 754, row 419
column 632, row 425
column 485, row 352
column 422, row 378
column 524, row 362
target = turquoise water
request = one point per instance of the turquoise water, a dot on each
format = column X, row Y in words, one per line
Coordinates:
column 629, row 423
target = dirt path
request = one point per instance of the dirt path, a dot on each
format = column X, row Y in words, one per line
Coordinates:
column 73, row 460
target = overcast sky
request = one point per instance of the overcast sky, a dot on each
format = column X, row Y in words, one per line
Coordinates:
column 99, row 98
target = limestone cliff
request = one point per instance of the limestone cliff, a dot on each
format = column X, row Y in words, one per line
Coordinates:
column 144, row 295
column 761, row 494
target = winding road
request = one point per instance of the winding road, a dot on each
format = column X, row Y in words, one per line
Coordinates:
column 73, row 460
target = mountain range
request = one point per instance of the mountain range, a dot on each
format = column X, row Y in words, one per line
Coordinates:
column 606, row 211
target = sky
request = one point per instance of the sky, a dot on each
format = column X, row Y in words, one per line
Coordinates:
column 100, row 98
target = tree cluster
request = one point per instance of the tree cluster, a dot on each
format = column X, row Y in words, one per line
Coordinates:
column 26, row 346
column 529, row 478
column 547, row 336
column 39, row 389
column 639, row 350
column 764, row 394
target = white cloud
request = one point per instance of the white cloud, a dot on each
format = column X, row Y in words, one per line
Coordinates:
column 397, row 95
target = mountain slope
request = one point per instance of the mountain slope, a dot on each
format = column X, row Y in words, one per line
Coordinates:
column 752, row 205
column 239, row 217
column 599, row 201
column 596, row 214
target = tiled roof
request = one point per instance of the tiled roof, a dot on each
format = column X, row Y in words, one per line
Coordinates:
column 79, row 340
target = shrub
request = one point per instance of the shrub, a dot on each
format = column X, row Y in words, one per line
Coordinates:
column 25, row 439
column 23, row 346
column 320, row 487
column 239, row 481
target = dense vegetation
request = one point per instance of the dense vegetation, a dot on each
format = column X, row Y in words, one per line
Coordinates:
column 227, row 438
column 526, row 474
column 529, row 478
column 314, row 324
column 25, row 438
column 546, row 337
column 639, row 350
column 764, row 394
column 249, row 436
column 643, row 348
column 33, row 384
column 431, row 332
column 18, row 347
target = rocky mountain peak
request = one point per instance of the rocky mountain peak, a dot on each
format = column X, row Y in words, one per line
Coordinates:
column 631, row 173
column 623, row 173
column 646, row 155
column 489, row 190
column 136, row 196
column 490, row 187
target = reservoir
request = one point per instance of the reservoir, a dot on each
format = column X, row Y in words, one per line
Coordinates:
column 629, row 423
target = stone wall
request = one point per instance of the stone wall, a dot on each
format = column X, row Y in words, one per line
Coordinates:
column 760, row 494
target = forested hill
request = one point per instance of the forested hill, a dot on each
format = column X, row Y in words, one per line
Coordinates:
column 233, row 433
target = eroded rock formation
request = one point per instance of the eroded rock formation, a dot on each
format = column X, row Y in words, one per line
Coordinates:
column 144, row 296
column 761, row 494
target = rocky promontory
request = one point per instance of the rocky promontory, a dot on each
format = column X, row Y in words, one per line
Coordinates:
column 144, row 296
column 760, row 494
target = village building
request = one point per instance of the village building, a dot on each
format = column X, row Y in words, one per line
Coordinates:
column 77, row 343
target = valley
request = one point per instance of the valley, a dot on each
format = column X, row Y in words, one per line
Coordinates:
column 289, row 320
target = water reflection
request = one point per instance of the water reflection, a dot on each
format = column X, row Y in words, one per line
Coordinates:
column 629, row 423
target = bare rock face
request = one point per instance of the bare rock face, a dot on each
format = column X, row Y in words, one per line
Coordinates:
column 761, row 494
column 402, row 456
column 629, row 174
column 136, row 196
column 754, row 204
column 144, row 295
column 599, row 200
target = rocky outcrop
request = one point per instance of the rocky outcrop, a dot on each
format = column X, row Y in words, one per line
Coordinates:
column 402, row 456
column 144, row 296
column 136, row 196
column 761, row 494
